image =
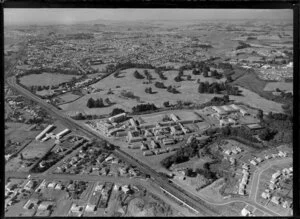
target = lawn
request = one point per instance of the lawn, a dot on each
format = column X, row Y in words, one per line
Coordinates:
column 45, row 79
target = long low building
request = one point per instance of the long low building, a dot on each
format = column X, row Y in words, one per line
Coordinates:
column 118, row 118
column 46, row 130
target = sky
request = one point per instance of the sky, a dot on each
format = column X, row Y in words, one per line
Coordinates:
column 14, row 16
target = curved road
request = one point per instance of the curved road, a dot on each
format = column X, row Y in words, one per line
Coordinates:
column 189, row 199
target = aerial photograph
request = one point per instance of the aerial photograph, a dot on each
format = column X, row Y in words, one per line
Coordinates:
column 148, row 112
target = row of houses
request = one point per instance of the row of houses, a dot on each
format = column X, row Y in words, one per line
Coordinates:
column 245, row 179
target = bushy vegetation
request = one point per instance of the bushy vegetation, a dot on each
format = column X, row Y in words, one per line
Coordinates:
column 116, row 111
column 160, row 74
column 129, row 94
column 172, row 90
column 138, row 75
column 160, row 85
column 98, row 103
column 184, row 154
column 144, row 107
column 278, row 128
column 242, row 45
column 215, row 87
column 148, row 90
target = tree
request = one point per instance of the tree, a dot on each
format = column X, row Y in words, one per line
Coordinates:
column 180, row 73
column 166, row 104
column 226, row 98
column 159, row 85
column 148, row 90
column 148, row 75
column 196, row 72
column 214, row 73
column 201, row 88
column 107, row 101
column 90, row 103
column 177, row 78
column 189, row 77
column 99, row 103
column 205, row 74
column 229, row 78
column 137, row 75
column 260, row 114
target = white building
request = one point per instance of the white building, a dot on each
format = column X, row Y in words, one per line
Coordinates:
column 118, row 118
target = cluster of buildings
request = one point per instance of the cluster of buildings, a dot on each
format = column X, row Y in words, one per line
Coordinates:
column 13, row 190
column 235, row 150
column 274, row 185
column 225, row 114
column 100, row 197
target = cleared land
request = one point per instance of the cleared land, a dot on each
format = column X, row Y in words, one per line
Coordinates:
column 18, row 132
column 271, row 86
column 45, row 79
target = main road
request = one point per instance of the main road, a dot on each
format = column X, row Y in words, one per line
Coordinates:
column 193, row 201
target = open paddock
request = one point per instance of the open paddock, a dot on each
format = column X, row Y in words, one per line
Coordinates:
column 45, row 79
column 37, row 149
column 271, row 86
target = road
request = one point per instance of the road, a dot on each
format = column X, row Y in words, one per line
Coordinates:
column 193, row 201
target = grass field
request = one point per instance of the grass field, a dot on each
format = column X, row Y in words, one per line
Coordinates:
column 45, row 79
column 271, row 86
column 253, row 99
column 18, row 132
column 126, row 81
column 37, row 149
column 188, row 92
column 68, row 97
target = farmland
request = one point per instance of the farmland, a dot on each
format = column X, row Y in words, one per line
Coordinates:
column 45, row 79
